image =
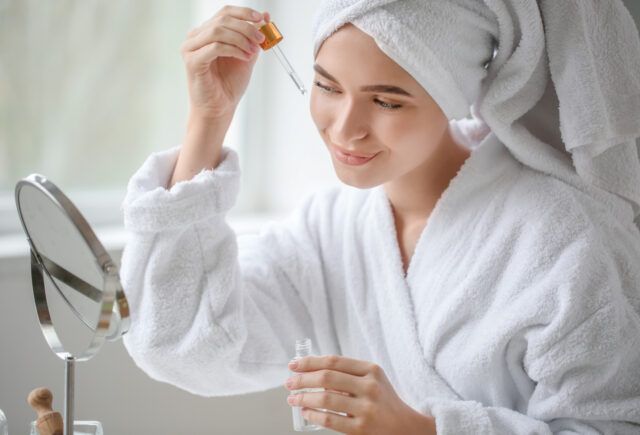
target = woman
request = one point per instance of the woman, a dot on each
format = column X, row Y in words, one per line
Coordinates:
column 449, row 289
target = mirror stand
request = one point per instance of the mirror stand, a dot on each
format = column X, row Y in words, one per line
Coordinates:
column 69, row 393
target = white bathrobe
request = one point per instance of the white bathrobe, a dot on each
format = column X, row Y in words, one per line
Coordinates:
column 519, row 312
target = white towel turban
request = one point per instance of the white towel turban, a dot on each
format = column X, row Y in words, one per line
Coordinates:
column 580, row 55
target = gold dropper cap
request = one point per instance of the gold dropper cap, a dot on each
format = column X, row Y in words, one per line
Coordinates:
column 272, row 35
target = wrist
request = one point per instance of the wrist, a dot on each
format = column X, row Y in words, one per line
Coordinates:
column 202, row 146
column 430, row 425
column 424, row 424
column 208, row 124
column 206, row 134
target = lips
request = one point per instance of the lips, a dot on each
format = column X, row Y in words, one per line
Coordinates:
column 349, row 158
column 349, row 153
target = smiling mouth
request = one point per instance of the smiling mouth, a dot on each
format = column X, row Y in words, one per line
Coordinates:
column 349, row 153
column 350, row 159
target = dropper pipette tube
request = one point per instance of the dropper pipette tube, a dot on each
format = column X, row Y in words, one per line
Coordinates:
column 289, row 69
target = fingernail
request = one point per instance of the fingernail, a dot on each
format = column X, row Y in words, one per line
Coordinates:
column 293, row 364
column 256, row 15
column 289, row 382
column 260, row 36
column 291, row 400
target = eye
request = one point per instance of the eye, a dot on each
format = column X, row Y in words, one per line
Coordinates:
column 324, row 88
column 387, row 106
column 383, row 104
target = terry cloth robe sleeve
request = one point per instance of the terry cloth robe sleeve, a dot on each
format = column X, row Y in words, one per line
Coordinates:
column 213, row 313
column 578, row 368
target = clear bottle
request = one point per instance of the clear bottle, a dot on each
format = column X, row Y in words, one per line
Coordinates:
column 4, row 426
column 300, row 424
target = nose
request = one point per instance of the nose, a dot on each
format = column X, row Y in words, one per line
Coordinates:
column 349, row 125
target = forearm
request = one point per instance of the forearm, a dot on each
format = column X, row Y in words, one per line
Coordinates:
column 201, row 148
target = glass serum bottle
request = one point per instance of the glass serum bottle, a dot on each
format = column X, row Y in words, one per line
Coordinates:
column 300, row 424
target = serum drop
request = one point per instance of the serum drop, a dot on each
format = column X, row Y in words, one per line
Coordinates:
column 300, row 424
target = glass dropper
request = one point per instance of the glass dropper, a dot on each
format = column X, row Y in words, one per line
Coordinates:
column 289, row 69
column 272, row 38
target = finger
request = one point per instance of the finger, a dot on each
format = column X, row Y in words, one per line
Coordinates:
column 339, row 363
column 222, row 33
column 329, row 420
column 327, row 400
column 250, row 31
column 212, row 51
column 239, row 13
column 332, row 380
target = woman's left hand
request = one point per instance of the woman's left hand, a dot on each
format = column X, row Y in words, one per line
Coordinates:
column 355, row 387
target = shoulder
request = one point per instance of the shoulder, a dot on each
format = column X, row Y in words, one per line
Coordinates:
column 564, row 261
column 575, row 255
column 499, row 177
column 557, row 238
column 563, row 222
column 554, row 214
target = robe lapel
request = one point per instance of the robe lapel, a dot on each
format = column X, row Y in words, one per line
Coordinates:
column 394, row 320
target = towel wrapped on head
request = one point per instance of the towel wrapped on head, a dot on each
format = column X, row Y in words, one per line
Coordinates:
column 588, row 49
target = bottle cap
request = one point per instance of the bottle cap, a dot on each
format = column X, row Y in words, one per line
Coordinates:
column 272, row 35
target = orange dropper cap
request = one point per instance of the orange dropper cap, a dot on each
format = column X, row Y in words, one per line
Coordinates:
column 272, row 35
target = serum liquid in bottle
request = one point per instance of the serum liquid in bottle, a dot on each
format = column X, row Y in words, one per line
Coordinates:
column 300, row 424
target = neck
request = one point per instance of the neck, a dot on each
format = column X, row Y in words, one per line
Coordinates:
column 414, row 195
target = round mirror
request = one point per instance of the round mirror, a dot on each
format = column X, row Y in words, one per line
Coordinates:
column 79, row 300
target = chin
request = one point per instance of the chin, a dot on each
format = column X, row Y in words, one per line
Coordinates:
column 359, row 181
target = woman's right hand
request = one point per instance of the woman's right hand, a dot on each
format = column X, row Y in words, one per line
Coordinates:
column 219, row 56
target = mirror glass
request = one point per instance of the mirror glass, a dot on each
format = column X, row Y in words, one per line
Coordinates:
column 76, row 287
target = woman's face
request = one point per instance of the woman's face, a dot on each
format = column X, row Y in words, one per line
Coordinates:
column 365, row 104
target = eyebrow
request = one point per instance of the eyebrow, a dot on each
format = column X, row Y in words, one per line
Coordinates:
column 387, row 89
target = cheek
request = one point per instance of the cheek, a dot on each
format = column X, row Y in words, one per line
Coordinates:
column 412, row 138
column 399, row 132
